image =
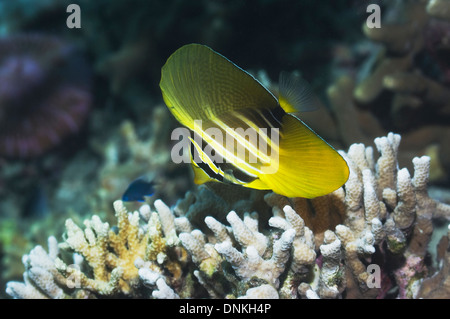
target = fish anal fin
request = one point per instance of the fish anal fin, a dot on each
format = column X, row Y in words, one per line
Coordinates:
column 200, row 177
column 257, row 184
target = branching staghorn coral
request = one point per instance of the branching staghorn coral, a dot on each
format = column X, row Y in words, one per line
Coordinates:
column 402, row 85
column 111, row 255
column 413, row 73
column 368, row 239
column 386, row 215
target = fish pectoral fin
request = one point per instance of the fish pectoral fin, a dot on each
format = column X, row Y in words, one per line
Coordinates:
column 307, row 166
column 295, row 94
column 229, row 177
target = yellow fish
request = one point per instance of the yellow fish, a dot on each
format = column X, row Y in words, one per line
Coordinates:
column 267, row 147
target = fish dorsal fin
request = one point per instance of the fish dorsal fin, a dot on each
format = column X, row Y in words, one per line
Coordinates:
column 295, row 94
column 198, row 84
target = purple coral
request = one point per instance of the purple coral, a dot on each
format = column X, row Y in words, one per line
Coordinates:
column 43, row 95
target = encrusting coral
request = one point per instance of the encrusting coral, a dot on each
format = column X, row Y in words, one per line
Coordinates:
column 368, row 239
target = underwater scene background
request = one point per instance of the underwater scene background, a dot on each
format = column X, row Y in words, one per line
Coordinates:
column 82, row 117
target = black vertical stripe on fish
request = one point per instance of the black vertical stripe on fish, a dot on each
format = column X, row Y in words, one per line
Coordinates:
column 204, row 166
column 223, row 168
column 241, row 176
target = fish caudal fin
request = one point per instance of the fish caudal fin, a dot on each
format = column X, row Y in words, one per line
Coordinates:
column 307, row 166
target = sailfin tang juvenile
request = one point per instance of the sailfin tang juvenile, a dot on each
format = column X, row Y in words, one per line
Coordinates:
column 198, row 84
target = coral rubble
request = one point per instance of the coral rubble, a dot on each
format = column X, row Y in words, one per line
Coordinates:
column 368, row 239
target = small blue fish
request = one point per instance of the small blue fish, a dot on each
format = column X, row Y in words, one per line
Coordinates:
column 138, row 188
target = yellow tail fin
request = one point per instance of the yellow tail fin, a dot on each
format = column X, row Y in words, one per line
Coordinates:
column 308, row 166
